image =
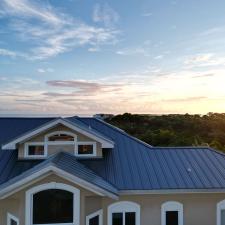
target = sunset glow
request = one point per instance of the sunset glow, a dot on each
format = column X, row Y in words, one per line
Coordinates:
column 76, row 57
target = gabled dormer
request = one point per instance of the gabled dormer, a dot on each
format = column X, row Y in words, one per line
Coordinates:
column 60, row 135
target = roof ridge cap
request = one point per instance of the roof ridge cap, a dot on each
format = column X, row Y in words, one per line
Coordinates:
column 124, row 133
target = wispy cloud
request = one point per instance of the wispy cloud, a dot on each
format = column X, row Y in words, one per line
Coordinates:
column 105, row 14
column 205, row 60
column 133, row 51
column 84, row 87
column 9, row 53
column 54, row 32
column 45, row 70
column 147, row 14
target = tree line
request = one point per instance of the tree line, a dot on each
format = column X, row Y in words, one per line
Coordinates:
column 175, row 129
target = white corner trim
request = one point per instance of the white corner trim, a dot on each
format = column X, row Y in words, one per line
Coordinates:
column 172, row 206
column 123, row 207
column 47, row 186
column 5, row 192
column 98, row 213
column 12, row 217
column 219, row 208
column 86, row 143
column 106, row 143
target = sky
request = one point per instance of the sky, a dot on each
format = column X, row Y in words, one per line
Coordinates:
column 85, row 57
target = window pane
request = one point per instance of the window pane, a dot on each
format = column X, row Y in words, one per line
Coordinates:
column 36, row 150
column 61, row 137
column 13, row 222
column 130, row 218
column 172, row 218
column 223, row 217
column 94, row 221
column 117, row 219
column 53, row 206
column 85, row 149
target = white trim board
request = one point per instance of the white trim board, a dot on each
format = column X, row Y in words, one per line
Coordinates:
column 52, row 185
column 172, row 206
column 12, row 217
column 171, row 191
column 106, row 143
column 124, row 207
column 92, row 215
column 13, row 188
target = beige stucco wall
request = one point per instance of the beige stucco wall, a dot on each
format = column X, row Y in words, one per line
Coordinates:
column 15, row 204
column 199, row 209
column 52, row 149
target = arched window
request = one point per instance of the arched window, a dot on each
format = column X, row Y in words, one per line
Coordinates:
column 172, row 213
column 60, row 136
column 63, row 205
column 124, row 213
column 221, row 213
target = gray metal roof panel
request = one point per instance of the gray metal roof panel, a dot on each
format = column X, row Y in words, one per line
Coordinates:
column 132, row 164
column 139, row 167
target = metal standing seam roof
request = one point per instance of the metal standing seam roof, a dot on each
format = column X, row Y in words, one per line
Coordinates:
column 69, row 164
column 130, row 165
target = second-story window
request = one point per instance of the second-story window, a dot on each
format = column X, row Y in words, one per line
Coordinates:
column 61, row 136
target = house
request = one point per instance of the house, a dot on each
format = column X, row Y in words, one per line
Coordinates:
column 83, row 171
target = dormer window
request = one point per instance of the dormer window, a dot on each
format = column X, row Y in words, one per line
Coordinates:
column 57, row 141
column 61, row 136
column 35, row 150
column 86, row 149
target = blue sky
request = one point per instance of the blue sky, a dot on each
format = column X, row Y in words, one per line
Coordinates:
column 85, row 57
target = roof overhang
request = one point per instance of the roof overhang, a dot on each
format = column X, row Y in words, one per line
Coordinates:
column 173, row 191
column 106, row 143
column 13, row 187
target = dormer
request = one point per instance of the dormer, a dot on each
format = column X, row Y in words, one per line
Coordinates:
column 57, row 136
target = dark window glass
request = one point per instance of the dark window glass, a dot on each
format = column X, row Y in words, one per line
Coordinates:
column 130, row 218
column 13, row 222
column 85, row 149
column 94, row 221
column 36, row 150
column 117, row 219
column 222, row 217
column 172, row 218
column 61, row 137
column 53, row 206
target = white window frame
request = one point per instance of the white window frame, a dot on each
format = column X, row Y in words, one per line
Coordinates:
column 52, row 185
column 220, row 206
column 12, row 217
column 124, row 207
column 172, row 206
column 26, row 150
column 60, row 142
column 86, row 143
column 98, row 213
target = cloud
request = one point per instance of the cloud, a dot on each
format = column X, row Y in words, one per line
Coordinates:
column 53, row 32
column 45, row 70
column 147, row 14
column 133, row 51
column 159, row 57
column 205, row 60
column 148, row 91
column 9, row 53
column 84, row 87
column 30, row 9
column 105, row 14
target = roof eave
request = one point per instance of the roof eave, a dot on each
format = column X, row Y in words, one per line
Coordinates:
column 7, row 190
column 106, row 143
